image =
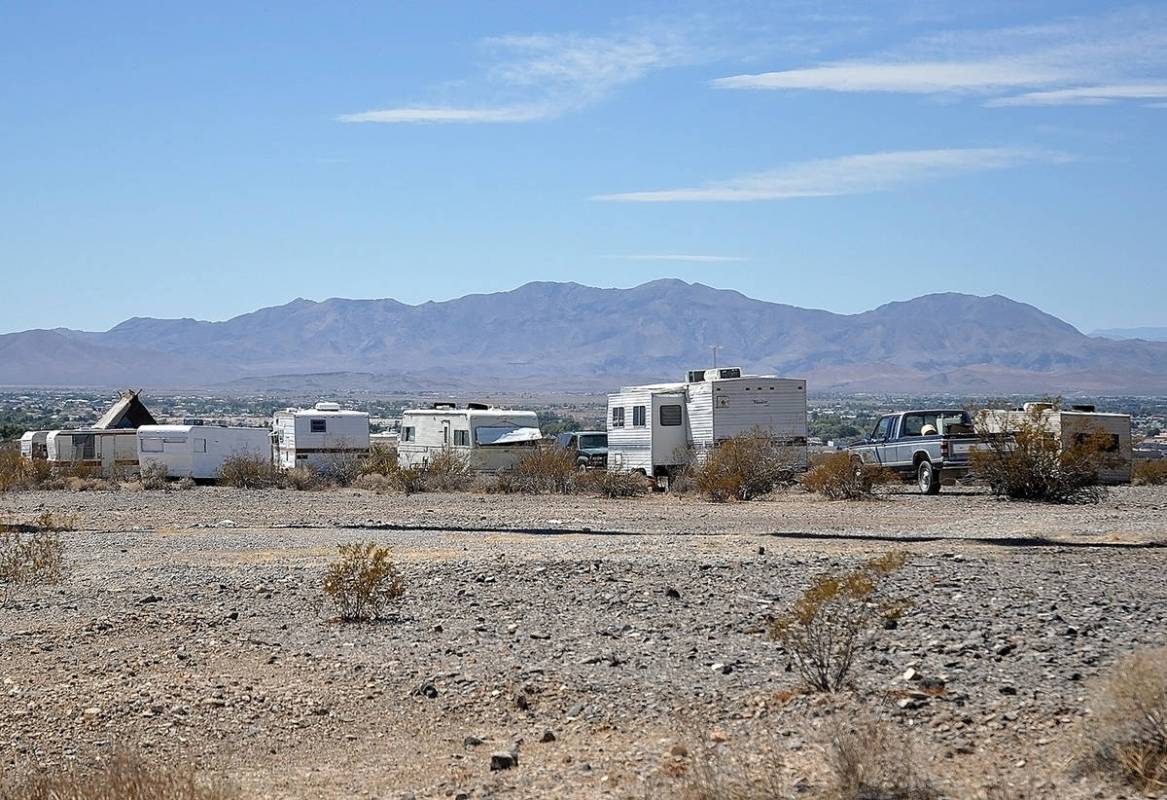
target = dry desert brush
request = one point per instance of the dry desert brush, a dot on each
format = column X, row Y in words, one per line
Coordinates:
column 123, row 777
column 1125, row 735
column 1149, row 472
column 544, row 470
column 841, row 477
column 715, row 773
column 745, row 467
column 835, row 617
column 868, row 759
column 362, row 582
column 248, row 472
column 613, row 483
column 29, row 558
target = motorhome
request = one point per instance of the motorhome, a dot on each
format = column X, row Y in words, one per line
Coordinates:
column 1072, row 426
column 34, row 445
column 490, row 439
column 108, row 451
column 659, row 428
column 198, row 451
column 319, row 436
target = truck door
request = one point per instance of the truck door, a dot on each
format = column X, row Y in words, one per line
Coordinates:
column 884, row 431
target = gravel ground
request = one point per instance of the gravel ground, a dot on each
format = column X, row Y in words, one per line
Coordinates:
column 607, row 643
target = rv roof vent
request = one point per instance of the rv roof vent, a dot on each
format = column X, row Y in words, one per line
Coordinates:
column 443, row 405
column 696, row 376
column 193, row 421
column 324, row 406
column 1084, row 407
column 477, row 406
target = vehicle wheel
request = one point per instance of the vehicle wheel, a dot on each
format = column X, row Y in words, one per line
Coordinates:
column 927, row 478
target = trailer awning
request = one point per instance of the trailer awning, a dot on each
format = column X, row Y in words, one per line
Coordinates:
column 507, row 435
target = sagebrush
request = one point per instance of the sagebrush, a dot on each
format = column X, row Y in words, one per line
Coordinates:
column 868, row 759
column 248, row 472
column 544, row 470
column 1149, row 472
column 362, row 582
column 153, row 476
column 123, row 777
column 745, row 467
column 613, row 483
column 29, row 558
column 831, row 621
column 839, row 476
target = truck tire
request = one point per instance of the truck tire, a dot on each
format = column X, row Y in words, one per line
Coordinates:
column 927, row 478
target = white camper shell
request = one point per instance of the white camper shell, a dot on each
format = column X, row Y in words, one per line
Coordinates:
column 198, row 451
column 319, row 436
column 109, row 451
column 1071, row 426
column 491, row 439
column 34, row 445
column 653, row 429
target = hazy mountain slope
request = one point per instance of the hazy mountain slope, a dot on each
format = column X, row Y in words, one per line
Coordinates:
column 565, row 335
column 1149, row 334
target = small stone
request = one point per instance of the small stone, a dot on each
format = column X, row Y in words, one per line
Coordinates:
column 150, row 598
column 540, row 635
column 502, row 760
column 718, row 735
column 1009, row 690
column 672, row 593
column 910, row 674
column 471, row 741
column 522, row 702
column 548, row 736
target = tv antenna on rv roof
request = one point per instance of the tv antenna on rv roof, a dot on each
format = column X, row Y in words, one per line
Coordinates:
column 715, row 348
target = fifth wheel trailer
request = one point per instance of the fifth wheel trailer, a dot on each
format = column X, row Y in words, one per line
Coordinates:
column 199, row 451
column 659, row 428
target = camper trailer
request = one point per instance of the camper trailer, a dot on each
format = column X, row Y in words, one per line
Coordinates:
column 656, row 429
column 319, row 436
column 489, row 438
column 34, row 445
column 198, row 451
column 109, row 452
column 1070, row 426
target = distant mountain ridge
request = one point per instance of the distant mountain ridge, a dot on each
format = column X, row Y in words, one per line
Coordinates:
column 567, row 336
column 1149, row 334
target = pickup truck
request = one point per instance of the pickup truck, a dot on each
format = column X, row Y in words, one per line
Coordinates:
column 590, row 447
column 928, row 447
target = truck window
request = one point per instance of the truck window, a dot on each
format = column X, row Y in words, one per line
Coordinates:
column 670, row 416
column 882, row 428
column 593, row 440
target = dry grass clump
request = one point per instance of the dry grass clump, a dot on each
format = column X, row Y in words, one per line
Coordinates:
column 1029, row 463
column 828, row 625
column 1149, row 472
column 718, row 774
column 17, row 472
column 123, row 777
column 29, row 558
column 869, row 760
column 745, row 467
column 381, row 460
column 1125, row 735
column 544, row 470
column 613, row 484
column 302, row 479
column 840, row 477
column 447, row 471
column 248, row 472
column 376, row 482
column 153, row 476
column 362, row 582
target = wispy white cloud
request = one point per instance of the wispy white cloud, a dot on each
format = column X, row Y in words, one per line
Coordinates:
column 1094, row 60
column 537, row 77
column 1086, row 95
column 855, row 174
column 697, row 259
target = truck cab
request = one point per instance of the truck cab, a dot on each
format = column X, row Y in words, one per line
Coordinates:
column 590, row 447
column 930, row 447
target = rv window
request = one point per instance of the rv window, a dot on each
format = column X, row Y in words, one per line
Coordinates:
column 319, row 426
column 200, row 445
column 407, row 434
column 618, row 417
column 670, row 416
column 638, row 420
column 461, row 438
column 152, row 445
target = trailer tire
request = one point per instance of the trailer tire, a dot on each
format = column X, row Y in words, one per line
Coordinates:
column 927, row 478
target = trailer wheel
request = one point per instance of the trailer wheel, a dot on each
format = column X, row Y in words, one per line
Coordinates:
column 927, row 478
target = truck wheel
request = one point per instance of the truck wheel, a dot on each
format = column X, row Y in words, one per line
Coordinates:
column 927, row 478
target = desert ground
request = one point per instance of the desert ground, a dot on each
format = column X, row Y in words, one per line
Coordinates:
column 616, row 647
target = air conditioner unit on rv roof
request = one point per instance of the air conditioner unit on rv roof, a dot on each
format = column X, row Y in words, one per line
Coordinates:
column 325, row 406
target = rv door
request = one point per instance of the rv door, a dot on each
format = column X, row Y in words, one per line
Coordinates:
column 445, row 433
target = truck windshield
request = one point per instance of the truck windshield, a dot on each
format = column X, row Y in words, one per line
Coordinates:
column 593, row 440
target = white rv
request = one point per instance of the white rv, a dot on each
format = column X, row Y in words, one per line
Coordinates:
column 653, row 429
column 490, row 439
column 319, row 436
column 34, row 445
column 109, row 451
column 1070, row 427
column 198, row 451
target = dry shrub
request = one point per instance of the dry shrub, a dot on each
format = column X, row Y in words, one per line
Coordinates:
column 17, row 472
column 248, row 472
column 833, row 619
column 362, row 582
column 717, row 774
column 841, row 477
column 1125, row 736
column 745, row 467
column 337, row 469
column 447, row 471
column 1029, row 463
column 186, row 483
column 302, row 479
column 869, row 760
column 1149, row 472
column 29, row 559
column 153, row 476
column 48, row 521
column 545, row 470
column 124, row 777
column 376, row 482
column 381, row 460
column 613, row 483
column 410, row 480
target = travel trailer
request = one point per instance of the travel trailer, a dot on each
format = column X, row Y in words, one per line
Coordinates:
column 319, row 436
column 1071, row 426
column 34, row 445
column 198, row 451
column 110, row 452
column 656, row 429
column 489, row 438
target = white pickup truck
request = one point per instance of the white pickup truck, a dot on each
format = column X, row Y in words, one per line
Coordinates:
column 929, row 447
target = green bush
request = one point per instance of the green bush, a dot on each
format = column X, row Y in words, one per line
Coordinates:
column 841, row 477
column 362, row 582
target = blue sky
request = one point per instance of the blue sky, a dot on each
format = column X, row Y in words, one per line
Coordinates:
column 205, row 159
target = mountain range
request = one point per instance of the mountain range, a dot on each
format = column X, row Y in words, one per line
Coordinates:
column 565, row 336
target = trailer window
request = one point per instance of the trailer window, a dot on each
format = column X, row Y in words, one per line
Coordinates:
column 461, row 438
column 407, row 434
column 152, row 445
column 618, row 417
column 318, row 426
column 670, row 416
column 200, row 445
column 638, row 417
